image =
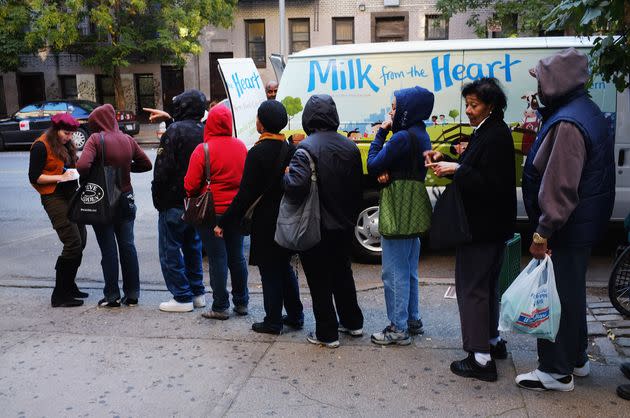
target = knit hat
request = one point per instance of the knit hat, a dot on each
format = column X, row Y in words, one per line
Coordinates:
column 64, row 121
column 273, row 116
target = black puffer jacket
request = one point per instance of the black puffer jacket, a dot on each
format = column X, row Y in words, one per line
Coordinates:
column 338, row 166
column 176, row 145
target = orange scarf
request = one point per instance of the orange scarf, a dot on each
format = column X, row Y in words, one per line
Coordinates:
column 269, row 135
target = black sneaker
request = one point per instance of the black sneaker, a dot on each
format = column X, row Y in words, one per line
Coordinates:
column 264, row 328
column 469, row 367
column 625, row 369
column 499, row 351
column 129, row 301
column 293, row 324
column 104, row 303
column 623, row 391
column 415, row 327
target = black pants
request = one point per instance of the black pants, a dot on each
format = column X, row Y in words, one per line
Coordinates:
column 329, row 275
column 477, row 269
column 72, row 236
column 569, row 349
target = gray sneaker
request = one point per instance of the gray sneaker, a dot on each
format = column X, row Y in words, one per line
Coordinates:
column 415, row 327
column 390, row 335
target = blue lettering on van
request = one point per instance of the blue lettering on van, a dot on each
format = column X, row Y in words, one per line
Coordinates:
column 246, row 83
column 355, row 76
column 443, row 74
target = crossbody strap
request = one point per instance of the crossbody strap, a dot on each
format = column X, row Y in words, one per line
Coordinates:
column 280, row 167
column 102, row 149
column 206, row 154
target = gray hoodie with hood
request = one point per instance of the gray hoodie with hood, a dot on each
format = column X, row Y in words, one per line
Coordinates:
column 562, row 154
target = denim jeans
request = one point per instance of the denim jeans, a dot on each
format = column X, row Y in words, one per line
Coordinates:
column 280, row 288
column 116, row 240
column 180, row 256
column 223, row 254
column 400, row 280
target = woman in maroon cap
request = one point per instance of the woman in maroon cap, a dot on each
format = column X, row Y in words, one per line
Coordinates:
column 53, row 174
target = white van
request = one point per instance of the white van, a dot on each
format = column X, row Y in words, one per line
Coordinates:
column 362, row 78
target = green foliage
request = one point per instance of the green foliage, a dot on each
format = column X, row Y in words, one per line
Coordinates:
column 14, row 18
column 293, row 105
column 453, row 113
column 610, row 21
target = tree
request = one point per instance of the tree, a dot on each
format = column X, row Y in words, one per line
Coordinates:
column 610, row 57
column 293, row 105
column 530, row 14
column 453, row 113
column 14, row 17
column 125, row 31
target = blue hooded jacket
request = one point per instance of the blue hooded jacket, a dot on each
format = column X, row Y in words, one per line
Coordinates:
column 413, row 106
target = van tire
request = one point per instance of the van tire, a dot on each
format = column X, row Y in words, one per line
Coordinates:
column 366, row 245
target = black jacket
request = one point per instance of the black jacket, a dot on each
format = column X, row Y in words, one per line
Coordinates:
column 177, row 143
column 261, row 170
column 487, row 181
column 338, row 165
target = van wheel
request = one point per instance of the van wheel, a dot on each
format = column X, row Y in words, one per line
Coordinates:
column 366, row 245
column 79, row 138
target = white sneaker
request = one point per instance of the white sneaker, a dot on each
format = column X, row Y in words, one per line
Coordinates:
column 582, row 371
column 199, row 301
column 541, row 381
column 175, row 306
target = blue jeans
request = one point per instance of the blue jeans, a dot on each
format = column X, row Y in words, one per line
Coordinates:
column 180, row 256
column 280, row 288
column 114, row 239
column 400, row 279
column 223, row 254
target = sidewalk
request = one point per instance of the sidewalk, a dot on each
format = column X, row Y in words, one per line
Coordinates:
column 148, row 134
column 141, row 362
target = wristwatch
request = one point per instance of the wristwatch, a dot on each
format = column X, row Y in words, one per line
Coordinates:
column 539, row 239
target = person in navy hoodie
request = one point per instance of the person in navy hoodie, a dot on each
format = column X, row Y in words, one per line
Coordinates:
column 410, row 107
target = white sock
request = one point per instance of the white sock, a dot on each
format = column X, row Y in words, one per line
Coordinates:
column 494, row 341
column 482, row 358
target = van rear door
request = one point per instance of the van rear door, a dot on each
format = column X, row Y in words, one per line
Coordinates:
column 246, row 92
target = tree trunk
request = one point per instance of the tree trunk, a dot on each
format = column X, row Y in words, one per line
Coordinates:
column 118, row 90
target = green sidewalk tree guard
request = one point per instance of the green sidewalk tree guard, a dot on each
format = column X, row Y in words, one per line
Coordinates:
column 120, row 32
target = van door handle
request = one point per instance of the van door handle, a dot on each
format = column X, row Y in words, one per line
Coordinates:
column 622, row 158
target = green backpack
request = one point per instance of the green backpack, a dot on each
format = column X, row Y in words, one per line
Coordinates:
column 404, row 204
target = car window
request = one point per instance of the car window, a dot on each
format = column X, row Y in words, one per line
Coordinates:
column 52, row 108
column 30, row 111
column 81, row 110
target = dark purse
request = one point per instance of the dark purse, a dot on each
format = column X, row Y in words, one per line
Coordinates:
column 199, row 210
column 96, row 201
column 449, row 224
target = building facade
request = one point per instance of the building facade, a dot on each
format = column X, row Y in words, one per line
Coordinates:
column 255, row 33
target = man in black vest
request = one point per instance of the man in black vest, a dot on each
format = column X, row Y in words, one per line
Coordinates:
column 569, row 192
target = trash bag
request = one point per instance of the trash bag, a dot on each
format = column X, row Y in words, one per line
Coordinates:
column 531, row 304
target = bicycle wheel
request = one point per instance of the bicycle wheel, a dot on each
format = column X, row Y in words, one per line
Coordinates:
column 619, row 283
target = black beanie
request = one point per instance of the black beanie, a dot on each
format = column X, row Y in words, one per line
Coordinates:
column 273, row 116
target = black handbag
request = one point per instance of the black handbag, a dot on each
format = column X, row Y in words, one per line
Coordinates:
column 96, row 200
column 199, row 210
column 246, row 221
column 449, row 224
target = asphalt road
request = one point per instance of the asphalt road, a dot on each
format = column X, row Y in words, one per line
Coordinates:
column 29, row 246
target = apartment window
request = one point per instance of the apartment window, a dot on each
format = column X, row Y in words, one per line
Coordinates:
column 343, row 30
column 105, row 90
column 435, row 27
column 255, row 38
column 145, row 93
column 390, row 28
column 502, row 28
column 300, row 34
column 68, row 84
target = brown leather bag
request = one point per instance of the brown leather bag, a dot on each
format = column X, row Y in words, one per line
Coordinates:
column 199, row 210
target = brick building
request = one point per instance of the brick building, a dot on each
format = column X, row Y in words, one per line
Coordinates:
column 255, row 33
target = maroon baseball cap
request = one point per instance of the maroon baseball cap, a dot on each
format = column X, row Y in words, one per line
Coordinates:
column 64, row 121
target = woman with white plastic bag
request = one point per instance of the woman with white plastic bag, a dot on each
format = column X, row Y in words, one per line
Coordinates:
column 531, row 304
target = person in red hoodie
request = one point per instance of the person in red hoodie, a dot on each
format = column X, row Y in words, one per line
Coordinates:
column 123, row 152
column 227, row 160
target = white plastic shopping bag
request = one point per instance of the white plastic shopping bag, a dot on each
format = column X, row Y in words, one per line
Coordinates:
column 531, row 304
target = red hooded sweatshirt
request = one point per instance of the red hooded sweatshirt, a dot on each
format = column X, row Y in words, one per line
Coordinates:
column 121, row 150
column 227, row 160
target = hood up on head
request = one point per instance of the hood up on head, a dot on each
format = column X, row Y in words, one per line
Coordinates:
column 103, row 118
column 320, row 114
column 413, row 106
column 190, row 105
column 560, row 75
column 219, row 122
